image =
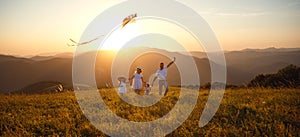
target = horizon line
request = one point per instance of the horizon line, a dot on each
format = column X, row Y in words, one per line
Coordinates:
column 45, row 54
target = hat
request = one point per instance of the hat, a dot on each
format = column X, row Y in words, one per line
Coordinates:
column 121, row 78
column 139, row 68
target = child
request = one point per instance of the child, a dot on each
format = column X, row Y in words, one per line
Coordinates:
column 138, row 80
column 122, row 85
column 148, row 89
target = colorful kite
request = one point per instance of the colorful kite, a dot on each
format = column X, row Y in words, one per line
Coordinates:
column 129, row 19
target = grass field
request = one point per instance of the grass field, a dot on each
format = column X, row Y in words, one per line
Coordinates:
column 243, row 112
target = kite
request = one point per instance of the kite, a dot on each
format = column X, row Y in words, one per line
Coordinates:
column 83, row 43
column 129, row 19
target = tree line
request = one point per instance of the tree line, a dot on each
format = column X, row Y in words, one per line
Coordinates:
column 288, row 77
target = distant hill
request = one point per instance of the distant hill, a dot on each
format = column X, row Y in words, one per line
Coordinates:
column 42, row 87
column 48, row 57
column 254, row 63
column 242, row 66
column 273, row 49
column 17, row 73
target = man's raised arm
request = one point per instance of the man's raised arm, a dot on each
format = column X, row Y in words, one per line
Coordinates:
column 171, row 62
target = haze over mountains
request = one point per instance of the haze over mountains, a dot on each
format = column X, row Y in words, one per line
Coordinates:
column 242, row 66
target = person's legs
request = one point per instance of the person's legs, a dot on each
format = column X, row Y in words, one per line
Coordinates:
column 160, row 84
column 138, row 91
column 166, row 87
column 137, row 86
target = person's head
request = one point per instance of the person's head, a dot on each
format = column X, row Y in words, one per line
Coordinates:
column 122, row 79
column 138, row 70
column 161, row 66
column 147, row 85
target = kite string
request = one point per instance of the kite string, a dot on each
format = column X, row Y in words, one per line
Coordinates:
column 128, row 19
column 84, row 43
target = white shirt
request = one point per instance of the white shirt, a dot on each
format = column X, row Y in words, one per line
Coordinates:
column 122, row 88
column 137, row 77
column 162, row 74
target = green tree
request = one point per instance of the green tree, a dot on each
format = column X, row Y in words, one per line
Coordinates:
column 288, row 77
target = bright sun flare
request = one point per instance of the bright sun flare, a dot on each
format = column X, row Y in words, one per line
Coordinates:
column 120, row 36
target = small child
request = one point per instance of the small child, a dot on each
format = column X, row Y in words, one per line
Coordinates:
column 122, row 85
column 137, row 81
column 148, row 89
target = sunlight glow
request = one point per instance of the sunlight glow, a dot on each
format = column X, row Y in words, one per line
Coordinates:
column 120, row 36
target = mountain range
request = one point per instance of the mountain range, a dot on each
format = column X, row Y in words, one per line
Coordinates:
column 242, row 66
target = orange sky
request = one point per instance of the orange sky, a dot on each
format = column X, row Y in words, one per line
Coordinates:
column 34, row 27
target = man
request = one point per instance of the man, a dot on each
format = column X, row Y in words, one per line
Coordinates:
column 161, row 75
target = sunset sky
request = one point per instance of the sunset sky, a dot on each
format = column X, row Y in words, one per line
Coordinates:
column 35, row 27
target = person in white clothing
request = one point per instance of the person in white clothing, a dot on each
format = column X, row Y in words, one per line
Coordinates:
column 137, row 81
column 122, row 85
column 147, row 89
column 161, row 75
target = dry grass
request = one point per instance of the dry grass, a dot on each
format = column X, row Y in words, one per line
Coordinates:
column 243, row 112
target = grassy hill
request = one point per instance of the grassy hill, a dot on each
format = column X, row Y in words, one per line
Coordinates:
column 243, row 112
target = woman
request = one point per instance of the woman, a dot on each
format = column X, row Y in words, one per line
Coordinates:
column 137, row 81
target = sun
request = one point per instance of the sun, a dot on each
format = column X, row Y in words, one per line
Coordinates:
column 120, row 36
